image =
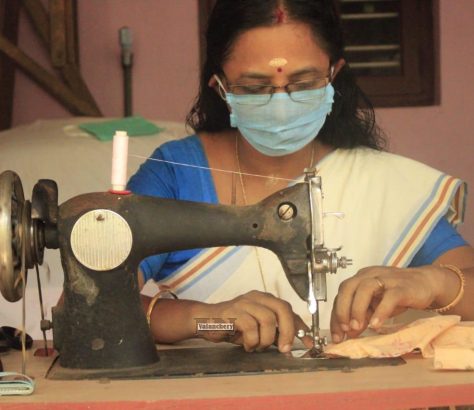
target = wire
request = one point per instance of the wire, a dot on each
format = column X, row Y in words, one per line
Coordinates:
column 215, row 169
column 40, row 294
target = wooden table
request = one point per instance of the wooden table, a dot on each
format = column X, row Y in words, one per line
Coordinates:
column 411, row 385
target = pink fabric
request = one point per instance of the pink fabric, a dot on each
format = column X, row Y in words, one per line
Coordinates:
column 424, row 334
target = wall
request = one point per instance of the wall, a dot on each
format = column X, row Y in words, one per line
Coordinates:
column 165, row 71
column 166, row 75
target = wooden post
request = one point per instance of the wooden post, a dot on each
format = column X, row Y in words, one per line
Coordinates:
column 9, row 16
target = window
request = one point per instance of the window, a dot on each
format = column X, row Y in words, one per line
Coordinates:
column 389, row 45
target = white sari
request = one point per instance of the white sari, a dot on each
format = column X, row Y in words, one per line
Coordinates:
column 391, row 204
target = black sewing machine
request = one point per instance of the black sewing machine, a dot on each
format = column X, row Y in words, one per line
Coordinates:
column 100, row 326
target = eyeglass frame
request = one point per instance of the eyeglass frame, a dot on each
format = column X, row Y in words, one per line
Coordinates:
column 221, row 87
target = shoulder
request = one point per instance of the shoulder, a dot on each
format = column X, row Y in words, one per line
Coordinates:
column 393, row 178
column 377, row 162
column 169, row 157
column 179, row 147
column 396, row 174
column 159, row 175
column 177, row 169
column 399, row 179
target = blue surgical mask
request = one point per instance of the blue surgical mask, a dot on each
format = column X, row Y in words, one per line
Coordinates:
column 281, row 126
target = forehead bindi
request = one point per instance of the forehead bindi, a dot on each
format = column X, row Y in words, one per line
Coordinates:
column 264, row 49
column 278, row 62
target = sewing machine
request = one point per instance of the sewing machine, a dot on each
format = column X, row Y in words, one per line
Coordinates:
column 100, row 328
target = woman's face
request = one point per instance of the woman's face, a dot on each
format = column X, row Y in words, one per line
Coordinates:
column 277, row 55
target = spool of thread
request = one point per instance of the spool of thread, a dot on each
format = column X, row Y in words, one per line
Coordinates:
column 119, row 161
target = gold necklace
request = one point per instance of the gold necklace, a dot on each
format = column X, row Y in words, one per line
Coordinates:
column 244, row 196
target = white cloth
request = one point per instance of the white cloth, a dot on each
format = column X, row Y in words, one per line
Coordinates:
column 390, row 204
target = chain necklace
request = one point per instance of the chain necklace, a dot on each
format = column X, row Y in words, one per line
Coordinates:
column 244, row 196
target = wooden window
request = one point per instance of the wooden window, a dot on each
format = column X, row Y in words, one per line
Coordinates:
column 389, row 45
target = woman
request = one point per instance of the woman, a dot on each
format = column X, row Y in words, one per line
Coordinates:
column 276, row 97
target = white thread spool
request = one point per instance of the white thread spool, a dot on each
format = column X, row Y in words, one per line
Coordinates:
column 119, row 161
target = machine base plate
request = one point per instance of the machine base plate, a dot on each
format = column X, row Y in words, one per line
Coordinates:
column 220, row 361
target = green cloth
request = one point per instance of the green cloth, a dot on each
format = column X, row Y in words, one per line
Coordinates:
column 134, row 126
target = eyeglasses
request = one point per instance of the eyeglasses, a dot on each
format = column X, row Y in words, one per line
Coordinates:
column 263, row 93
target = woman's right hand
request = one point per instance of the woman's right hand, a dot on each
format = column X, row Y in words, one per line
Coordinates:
column 260, row 320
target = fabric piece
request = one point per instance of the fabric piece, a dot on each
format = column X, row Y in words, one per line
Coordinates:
column 16, row 384
column 454, row 358
column 454, row 349
column 460, row 335
column 419, row 334
column 134, row 126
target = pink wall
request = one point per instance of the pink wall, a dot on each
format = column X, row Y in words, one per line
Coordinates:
column 166, row 76
column 165, row 71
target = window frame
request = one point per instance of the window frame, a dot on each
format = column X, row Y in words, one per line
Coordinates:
column 415, row 86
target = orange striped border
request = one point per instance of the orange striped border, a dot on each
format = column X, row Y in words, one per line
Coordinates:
column 174, row 284
column 425, row 221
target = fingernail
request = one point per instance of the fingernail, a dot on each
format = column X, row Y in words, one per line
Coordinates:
column 375, row 321
column 336, row 338
column 345, row 327
column 354, row 324
column 285, row 348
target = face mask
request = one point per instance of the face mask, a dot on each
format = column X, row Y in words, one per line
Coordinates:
column 281, row 126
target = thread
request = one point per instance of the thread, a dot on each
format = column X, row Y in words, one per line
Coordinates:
column 119, row 161
column 216, row 169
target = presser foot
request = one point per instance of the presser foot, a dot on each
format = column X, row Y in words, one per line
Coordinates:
column 314, row 353
column 317, row 351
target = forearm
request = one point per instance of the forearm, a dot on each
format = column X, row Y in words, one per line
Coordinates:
column 174, row 320
column 451, row 288
column 462, row 258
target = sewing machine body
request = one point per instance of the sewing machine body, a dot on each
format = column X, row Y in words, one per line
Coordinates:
column 101, row 322
column 100, row 327
column 102, row 238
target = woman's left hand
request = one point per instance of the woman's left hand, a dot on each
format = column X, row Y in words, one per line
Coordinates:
column 377, row 293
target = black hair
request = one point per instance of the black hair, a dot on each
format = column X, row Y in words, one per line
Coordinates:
column 352, row 120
